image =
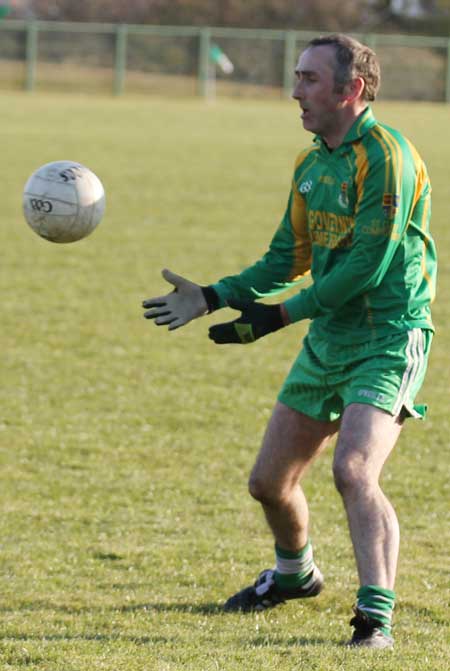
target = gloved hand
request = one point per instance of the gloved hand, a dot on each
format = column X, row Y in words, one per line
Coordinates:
column 186, row 302
column 256, row 321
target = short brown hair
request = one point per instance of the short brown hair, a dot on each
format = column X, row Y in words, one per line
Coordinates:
column 353, row 59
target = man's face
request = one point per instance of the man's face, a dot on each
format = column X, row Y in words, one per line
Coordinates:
column 315, row 91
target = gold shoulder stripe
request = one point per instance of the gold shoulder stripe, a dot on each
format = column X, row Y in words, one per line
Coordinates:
column 398, row 152
column 374, row 132
column 362, row 168
column 421, row 174
column 389, row 157
column 395, row 164
column 361, row 124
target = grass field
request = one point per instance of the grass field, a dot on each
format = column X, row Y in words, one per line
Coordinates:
column 125, row 450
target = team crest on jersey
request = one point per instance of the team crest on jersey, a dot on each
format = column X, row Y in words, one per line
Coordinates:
column 343, row 196
column 390, row 204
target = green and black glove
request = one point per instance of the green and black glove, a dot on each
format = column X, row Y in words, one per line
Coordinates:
column 256, row 321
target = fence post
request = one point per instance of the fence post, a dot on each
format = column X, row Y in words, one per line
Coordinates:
column 447, row 85
column 290, row 56
column 203, row 61
column 120, row 59
column 31, row 55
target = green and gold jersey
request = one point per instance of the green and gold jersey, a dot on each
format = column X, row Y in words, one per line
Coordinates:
column 357, row 220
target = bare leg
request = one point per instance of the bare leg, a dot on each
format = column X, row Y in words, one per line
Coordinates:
column 291, row 443
column 366, row 439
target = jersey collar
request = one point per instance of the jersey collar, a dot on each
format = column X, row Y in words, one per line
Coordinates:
column 361, row 126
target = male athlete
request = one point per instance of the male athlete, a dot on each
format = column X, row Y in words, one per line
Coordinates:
column 357, row 220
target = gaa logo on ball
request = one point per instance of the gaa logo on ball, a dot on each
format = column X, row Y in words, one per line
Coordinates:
column 63, row 201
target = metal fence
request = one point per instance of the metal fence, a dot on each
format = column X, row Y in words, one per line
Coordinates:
column 169, row 60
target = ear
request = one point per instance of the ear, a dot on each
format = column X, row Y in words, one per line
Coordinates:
column 354, row 90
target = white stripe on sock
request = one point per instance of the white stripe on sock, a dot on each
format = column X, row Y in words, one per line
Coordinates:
column 304, row 565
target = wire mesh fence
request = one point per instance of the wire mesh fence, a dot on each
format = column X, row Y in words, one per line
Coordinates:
column 165, row 60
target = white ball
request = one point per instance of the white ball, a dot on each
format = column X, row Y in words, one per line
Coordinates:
column 63, row 201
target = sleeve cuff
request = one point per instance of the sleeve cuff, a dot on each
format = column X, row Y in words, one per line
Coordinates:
column 211, row 297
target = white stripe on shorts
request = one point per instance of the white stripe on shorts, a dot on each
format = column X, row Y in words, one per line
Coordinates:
column 416, row 361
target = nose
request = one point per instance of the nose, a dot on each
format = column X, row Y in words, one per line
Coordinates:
column 297, row 90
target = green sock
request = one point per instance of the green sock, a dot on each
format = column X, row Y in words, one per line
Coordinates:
column 378, row 604
column 293, row 569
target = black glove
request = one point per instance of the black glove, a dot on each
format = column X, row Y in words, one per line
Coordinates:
column 256, row 321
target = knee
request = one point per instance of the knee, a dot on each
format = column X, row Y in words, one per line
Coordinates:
column 350, row 476
column 264, row 490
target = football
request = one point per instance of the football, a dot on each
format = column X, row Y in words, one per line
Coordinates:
column 63, row 201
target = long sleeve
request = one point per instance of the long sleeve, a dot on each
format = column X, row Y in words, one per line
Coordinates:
column 285, row 264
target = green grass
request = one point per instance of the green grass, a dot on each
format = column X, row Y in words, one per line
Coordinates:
column 125, row 450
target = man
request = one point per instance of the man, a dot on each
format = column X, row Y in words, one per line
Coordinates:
column 357, row 220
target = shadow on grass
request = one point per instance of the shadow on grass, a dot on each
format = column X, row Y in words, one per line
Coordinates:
column 195, row 608
column 258, row 642
column 73, row 609
column 279, row 642
column 138, row 640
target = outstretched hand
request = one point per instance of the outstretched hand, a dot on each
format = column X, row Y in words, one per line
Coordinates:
column 180, row 306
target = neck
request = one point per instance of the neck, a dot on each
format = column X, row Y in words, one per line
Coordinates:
column 347, row 118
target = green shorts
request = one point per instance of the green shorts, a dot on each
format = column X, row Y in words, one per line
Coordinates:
column 387, row 373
